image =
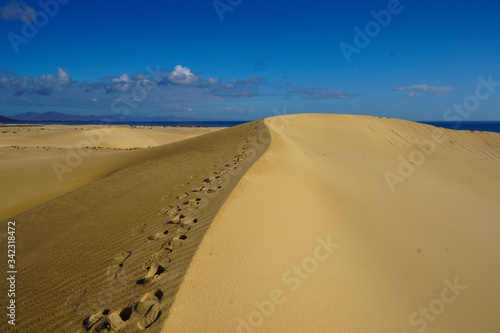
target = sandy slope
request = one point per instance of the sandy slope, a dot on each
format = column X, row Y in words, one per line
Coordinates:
column 110, row 255
column 315, row 239
column 107, row 136
column 38, row 163
column 331, row 230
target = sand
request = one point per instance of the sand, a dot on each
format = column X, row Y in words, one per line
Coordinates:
column 111, row 254
column 38, row 163
column 300, row 223
column 313, row 239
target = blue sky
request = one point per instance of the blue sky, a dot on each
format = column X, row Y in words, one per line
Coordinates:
column 244, row 60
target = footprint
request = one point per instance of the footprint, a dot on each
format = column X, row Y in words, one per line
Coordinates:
column 158, row 236
column 176, row 219
column 114, row 269
column 154, row 272
column 183, row 196
column 170, row 211
column 176, row 242
column 192, row 202
column 150, row 317
column 97, row 322
column 175, row 211
column 148, row 300
column 164, row 211
column 186, row 225
column 211, row 179
column 180, row 186
column 214, row 189
column 117, row 319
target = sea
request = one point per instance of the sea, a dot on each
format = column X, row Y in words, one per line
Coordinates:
column 485, row 126
column 488, row 126
column 186, row 123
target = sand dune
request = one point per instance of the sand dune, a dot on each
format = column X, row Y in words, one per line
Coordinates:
column 302, row 223
column 110, row 255
column 314, row 239
column 38, row 163
column 104, row 136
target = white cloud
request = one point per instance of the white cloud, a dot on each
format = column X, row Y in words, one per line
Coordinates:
column 182, row 75
column 416, row 89
column 230, row 85
column 63, row 76
column 47, row 84
column 120, row 84
column 213, row 81
column 43, row 85
column 237, row 88
column 413, row 94
column 17, row 11
column 124, row 78
column 309, row 93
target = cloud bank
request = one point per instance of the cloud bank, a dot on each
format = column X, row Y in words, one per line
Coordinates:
column 415, row 90
column 155, row 91
column 17, row 11
column 44, row 85
column 309, row 93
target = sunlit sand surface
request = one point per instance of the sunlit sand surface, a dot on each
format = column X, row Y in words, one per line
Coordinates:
column 300, row 223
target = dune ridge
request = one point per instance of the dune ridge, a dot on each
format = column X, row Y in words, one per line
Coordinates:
column 110, row 255
column 315, row 239
column 309, row 223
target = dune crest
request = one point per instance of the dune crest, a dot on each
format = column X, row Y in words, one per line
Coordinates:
column 353, row 224
column 109, row 256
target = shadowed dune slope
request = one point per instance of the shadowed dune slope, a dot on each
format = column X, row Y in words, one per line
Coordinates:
column 110, row 255
column 314, row 238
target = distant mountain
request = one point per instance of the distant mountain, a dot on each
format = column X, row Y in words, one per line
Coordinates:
column 52, row 116
column 63, row 117
column 2, row 119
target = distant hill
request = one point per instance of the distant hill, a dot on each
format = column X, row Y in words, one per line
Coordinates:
column 2, row 119
column 52, row 116
column 63, row 117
